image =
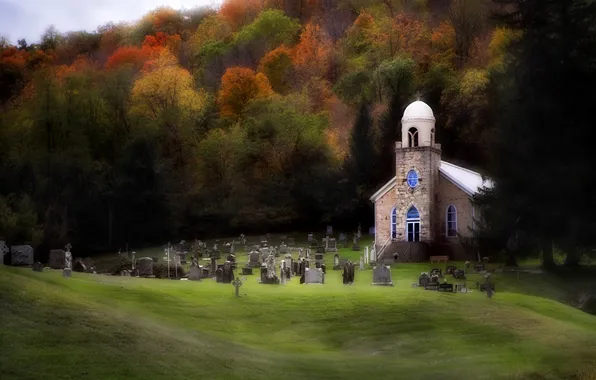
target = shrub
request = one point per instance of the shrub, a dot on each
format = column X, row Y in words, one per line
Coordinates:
column 160, row 270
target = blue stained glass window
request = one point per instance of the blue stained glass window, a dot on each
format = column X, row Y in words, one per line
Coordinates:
column 413, row 213
column 412, row 178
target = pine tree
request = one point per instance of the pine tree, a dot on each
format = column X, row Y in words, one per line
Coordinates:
column 360, row 165
column 544, row 132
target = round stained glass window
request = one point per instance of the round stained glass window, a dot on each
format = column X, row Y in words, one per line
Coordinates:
column 412, row 178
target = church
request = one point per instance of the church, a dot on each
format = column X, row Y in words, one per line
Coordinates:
column 427, row 207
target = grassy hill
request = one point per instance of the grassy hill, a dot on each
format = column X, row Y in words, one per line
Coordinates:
column 108, row 327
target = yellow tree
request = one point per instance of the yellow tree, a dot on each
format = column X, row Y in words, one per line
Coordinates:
column 165, row 96
column 240, row 85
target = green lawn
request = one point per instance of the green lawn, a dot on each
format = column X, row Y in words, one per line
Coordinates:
column 109, row 327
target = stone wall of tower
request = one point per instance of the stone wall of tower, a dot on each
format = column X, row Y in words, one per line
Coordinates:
column 425, row 160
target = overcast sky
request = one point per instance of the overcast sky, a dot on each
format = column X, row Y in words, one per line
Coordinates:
column 29, row 18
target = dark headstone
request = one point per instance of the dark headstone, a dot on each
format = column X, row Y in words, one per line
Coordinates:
column 56, row 259
column 37, row 267
column 479, row 267
column 194, row 274
column 348, row 273
column 79, row 266
column 228, row 273
column 246, row 271
column 445, row 288
column 145, row 267
column 436, row 271
column 382, row 275
column 459, row 274
column 219, row 275
column 450, row 269
column 424, row 280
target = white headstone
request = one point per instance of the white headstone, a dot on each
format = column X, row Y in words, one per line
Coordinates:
column 314, row 276
column 366, row 255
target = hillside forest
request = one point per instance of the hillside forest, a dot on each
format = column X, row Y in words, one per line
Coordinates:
column 271, row 115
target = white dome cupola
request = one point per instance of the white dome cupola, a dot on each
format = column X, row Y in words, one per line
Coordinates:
column 418, row 125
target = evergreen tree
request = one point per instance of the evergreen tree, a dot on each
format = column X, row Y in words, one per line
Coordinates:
column 544, row 132
column 360, row 165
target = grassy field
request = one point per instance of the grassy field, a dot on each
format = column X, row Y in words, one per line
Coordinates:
column 109, row 327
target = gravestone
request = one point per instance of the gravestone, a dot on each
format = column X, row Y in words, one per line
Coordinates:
column 265, row 251
column 205, row 272
column 348, row 274
column 37, row 267
column 79, row 266
column 247, row 271
column 237, row 284
column 382, row 275
column 459, row 274
column 226, row 248
column 291, row 242
column 319, row 258
column 331, row 245
column 343, row 239
column 356, row 243
column 213, row 265
column 181, row 258
column 194, row 273
column 424, row 280
column 3, row 251
column 67, row 271
column 295, row 265
column 145, row 267
column 311, row 237
column 445, row 287
column 366, row 255
column 361, row 263
column 450, row 269
column 283, row 249
column 228, row 273
column 219, row 275
column 314, row 276
column 336, row 262
column 269, row 276
column 254, row 260
column 479, row 267
column 436, row 271
column 467, row 264
column 21, row 255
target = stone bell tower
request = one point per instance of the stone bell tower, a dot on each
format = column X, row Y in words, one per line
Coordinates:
column 417, row 176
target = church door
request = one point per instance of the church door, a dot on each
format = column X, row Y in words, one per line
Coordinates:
column 413, row 224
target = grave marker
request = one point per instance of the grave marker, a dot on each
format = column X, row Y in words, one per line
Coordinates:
column 237, row 284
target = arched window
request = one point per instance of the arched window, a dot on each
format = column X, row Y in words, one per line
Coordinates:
column 432, row 137
column 394, row 223
column 412, row 137
column 451, row 221
column 413, row 224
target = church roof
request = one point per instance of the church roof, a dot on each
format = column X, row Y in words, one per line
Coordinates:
column 467, row 180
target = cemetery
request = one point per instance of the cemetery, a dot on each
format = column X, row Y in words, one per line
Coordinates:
column 187, row 295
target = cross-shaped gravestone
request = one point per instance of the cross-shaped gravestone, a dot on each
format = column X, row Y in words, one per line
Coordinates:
column 237, row 284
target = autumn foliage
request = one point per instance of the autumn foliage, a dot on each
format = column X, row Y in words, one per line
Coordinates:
column 240, row 12
column 313, row 52
column 240, row 85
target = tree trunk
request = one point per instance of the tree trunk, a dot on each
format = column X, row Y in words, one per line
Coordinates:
column 547, row 255
column 110, row 224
